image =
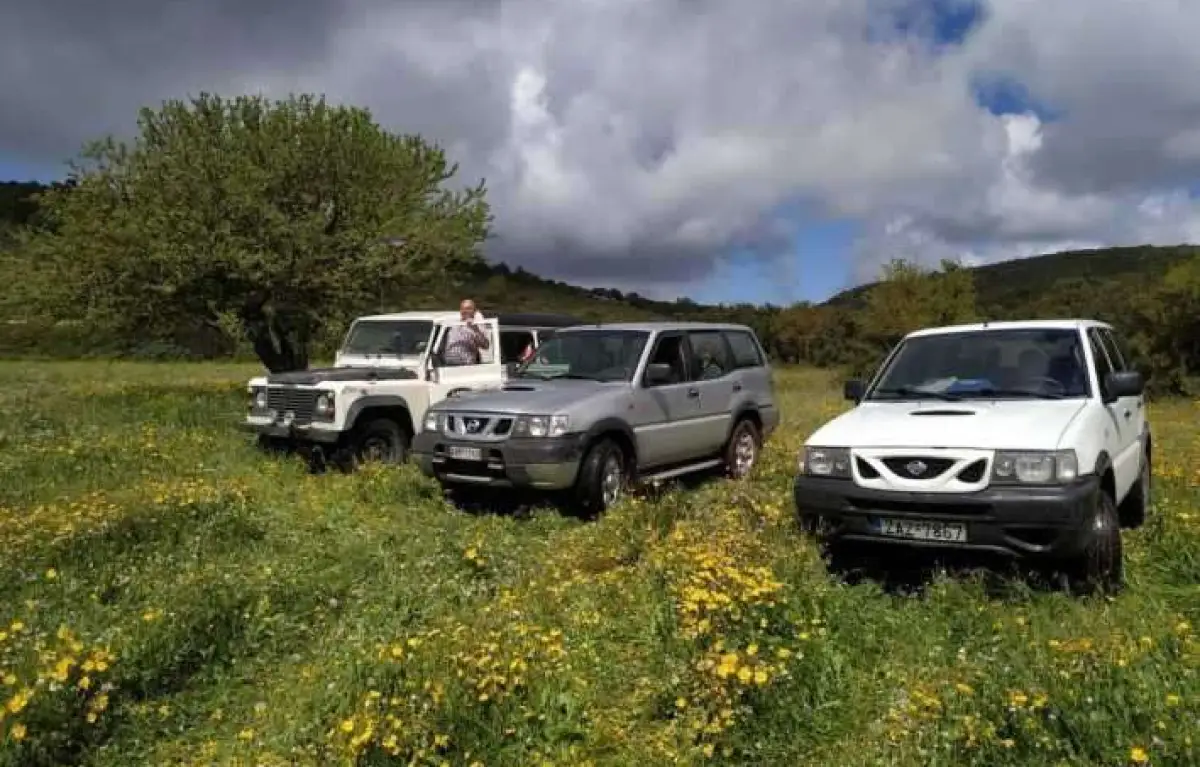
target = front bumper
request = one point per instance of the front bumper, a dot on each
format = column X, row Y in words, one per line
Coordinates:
column 544, row 463
column 324, row 434
column 1015, row 521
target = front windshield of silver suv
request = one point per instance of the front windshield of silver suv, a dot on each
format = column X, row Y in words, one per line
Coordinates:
column 596, row 355
column 402, row 338
column 994, row 364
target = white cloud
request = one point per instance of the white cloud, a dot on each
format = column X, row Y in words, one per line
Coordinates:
column 631, row 142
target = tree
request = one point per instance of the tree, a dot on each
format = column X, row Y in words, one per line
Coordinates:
column 276, row 216
column 909, row 298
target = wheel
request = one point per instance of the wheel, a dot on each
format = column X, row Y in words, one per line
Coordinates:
column 382, row 440
column 1100, row 567
column 741, row 452
column 1136, row 507
column 602, row 477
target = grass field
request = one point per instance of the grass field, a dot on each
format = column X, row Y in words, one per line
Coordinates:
column 170, row 596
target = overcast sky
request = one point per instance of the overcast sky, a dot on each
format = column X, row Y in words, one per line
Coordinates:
column 771, row 149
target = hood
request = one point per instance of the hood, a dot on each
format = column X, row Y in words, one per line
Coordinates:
column 341, row 375
column 524, row 396
column 983, row 424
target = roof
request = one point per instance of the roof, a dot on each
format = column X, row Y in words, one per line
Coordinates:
column 1062, row 324
column 666, row 325
column 448, row 316
column 537, row 319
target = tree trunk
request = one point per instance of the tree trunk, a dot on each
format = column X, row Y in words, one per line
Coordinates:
column 281, row 343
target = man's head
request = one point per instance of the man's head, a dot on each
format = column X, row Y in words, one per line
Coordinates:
column 466, row 309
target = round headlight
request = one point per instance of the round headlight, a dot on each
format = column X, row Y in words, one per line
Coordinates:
column 325, row 404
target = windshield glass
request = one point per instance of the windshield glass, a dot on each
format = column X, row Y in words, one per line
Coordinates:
column 403, row 338
column 601, row 355
column 1025, row 363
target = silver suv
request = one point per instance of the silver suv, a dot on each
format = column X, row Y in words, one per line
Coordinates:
column 600, row 406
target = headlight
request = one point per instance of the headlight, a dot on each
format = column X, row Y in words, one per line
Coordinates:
column 433, row 422
column 825, row 462
column 258, row 399
column 542, row 425
column 325, row 407
column 1035, row 467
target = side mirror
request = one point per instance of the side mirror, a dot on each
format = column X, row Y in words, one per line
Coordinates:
column 854, row 389
column 1128, row 383
column 659, row 373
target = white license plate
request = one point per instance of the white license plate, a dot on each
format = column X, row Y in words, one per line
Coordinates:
column 921, row 530
column 461, row 453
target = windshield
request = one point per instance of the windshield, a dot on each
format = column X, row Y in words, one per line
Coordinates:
column 601, row 355
column 403, row 338
column 1025, row 363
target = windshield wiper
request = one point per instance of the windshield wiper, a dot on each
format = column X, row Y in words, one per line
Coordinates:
column 909, row 391
column 991, row 392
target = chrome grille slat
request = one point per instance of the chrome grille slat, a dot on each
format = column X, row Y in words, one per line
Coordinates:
column 284, row 399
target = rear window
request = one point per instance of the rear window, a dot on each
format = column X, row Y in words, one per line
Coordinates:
column 746, row 353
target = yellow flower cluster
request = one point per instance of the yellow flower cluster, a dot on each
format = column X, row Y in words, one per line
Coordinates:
column 34, row 666
column 470, row 671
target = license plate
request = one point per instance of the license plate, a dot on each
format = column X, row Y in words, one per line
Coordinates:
column 461, row 453
column 921, row 530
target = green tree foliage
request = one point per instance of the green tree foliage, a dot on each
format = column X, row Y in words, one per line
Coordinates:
column 282, row 215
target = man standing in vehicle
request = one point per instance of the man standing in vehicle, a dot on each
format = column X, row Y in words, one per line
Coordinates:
column 465, row 342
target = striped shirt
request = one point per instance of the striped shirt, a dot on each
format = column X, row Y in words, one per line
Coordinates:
column 462, row 346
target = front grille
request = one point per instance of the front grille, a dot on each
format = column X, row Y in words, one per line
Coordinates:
column 865, row 470
column 478, row 425
column 974, row 472
column 915, row 467
column 301, row 402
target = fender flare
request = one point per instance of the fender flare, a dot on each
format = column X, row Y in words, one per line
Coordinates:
column 607, row 425
column 372, row 401
column 744, row 410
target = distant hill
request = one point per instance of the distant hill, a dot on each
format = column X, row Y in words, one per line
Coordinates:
column 1001, row 288
column 1006, row 286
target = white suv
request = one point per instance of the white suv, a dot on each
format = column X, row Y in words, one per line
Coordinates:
column 1024, row 438
column 371, row 404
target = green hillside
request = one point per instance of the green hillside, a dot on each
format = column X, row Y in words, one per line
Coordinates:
column 1006, row 286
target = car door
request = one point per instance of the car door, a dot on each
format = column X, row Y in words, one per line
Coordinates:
column 665, row 415
column 1132, row 413
column 714, row 377
column 1118, row 428
column 487, row 373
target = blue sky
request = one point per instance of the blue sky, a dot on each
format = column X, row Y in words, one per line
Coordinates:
column 820, row 262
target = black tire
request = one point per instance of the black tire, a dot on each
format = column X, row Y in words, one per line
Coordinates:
column 593, row 493
column 1100, row 567
column 742, row 449
column 380, row 439
column 1136, row 507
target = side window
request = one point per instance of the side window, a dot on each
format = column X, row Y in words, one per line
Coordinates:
column 1103, row 365
column 513, row 343
column 745, row 350
column 711, row 357
column 1119, row 360
column 670, row 351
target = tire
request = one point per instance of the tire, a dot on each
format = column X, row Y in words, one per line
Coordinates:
column 1100, row 567
column 1137, row 504
column 742, row 449
column 594, row 490
column 380, row 439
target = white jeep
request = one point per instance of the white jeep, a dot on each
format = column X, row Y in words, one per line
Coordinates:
column 389, row 370
column 1025, row 438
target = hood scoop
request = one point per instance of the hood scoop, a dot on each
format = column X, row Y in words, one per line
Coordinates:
column 942, row 412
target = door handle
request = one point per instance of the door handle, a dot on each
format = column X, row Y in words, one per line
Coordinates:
column 737, row 386
column 693, row 392
column 1127, row 414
